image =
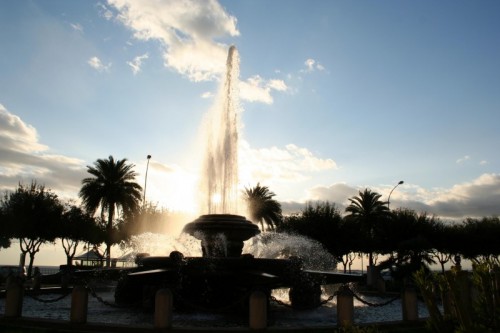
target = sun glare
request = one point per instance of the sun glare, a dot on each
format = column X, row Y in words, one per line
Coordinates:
column 216, row 198
column 174, row 190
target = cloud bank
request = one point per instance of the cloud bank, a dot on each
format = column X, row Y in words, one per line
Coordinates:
column 187, row 30
column 190, row 34
column 23, row 158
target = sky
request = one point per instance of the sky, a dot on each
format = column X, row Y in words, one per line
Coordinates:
column 336, row 97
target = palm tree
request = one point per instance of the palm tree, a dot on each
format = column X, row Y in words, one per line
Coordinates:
column 112, row 187
column 368, row 209
column 262, row 207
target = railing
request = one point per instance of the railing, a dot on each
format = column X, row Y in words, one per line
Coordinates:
column 258, row 302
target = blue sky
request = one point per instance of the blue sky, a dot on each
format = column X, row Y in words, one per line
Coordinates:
column 336, row 96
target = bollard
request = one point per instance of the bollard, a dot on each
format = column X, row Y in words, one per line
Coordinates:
column 37, row 283
column 409, row 304
column 381, row 285
column 258, row 310
column 345, row 307
column 79, row 305
column 14, row 298
column 371, row 275
column 164, row 304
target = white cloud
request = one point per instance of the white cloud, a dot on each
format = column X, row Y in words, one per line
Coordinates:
column 137, row 63
column 77, row 26
column 17, row 135
column 257, row 89
column 24, row 159
column 97, row 64
column 483, row 162
column 463, row 159
column 312, row 65
column 207, row 95
column 288, row 164
column 104, row 11
column 186, row 29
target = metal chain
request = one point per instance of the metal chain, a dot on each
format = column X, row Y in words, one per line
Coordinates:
column 323, row 302
column 57, row 299
column 370, row 303
column 103, row 301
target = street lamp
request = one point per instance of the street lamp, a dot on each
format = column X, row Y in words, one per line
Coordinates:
column 389, row 198
column 146, row 181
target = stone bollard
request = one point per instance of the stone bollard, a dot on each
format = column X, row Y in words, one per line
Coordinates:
column 258, row 310
column 371, row 275
column 14, row 298
column 345, row 307
column 164, row 304
column 79, row 305
column 37, row 283
column 409, row 304
column 381, row 285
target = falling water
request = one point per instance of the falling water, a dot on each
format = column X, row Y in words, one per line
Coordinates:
column 220, row 167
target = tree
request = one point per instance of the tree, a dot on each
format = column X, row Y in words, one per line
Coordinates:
column 5, row 230
column 479, row 238
column 368, row 209
column 321, row 222
column 148, row 218
column 78, row 226
column 34, row 214
column 112, row 187
column 262, row 207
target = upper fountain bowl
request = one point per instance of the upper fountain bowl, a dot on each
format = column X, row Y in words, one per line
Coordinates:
column 221, row 235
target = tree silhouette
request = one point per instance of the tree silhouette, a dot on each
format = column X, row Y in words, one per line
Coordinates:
column 34, row 214
column 112, row 187
column 320, row 221
column 261, row 206
column 368, row 210
column 78, row 226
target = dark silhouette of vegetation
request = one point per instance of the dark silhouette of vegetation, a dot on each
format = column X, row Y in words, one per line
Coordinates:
column 368, row 210
column 34, row 215
column 5, row 229
column 262, row 208
column 112, row 187
column 320, row 221
column 465, row 312
column 78, row 227
column 411, row 241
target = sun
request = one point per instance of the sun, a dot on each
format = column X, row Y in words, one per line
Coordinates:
column 216, row 198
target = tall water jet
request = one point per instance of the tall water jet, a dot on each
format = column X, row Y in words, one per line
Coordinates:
column 223, row 275
column 220, row 166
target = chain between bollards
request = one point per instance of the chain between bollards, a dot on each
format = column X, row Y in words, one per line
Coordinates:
column 41, row 300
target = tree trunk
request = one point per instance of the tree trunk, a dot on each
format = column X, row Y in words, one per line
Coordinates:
column 109, row 231
column 30, row 267
column 108, row 254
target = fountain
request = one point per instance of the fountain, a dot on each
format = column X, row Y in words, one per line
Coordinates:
column 223, row 277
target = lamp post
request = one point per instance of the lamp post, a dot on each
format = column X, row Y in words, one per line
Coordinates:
column 146, row 181
column 389, row 198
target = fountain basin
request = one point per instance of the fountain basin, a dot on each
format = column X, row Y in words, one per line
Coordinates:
column 221, row 235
